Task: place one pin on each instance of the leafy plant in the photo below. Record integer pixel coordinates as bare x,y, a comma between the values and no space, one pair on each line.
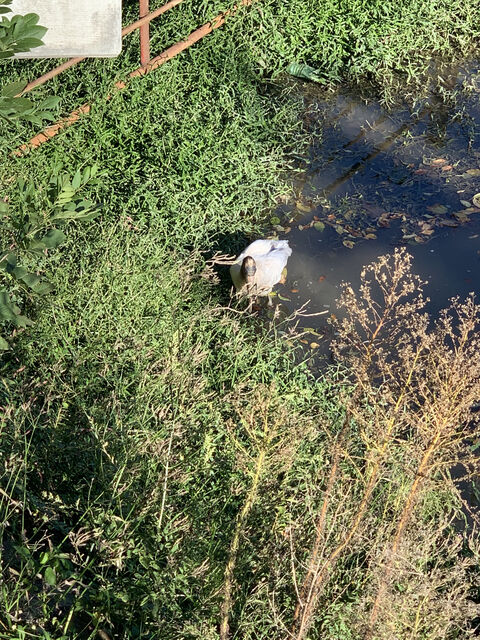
18,35
32,228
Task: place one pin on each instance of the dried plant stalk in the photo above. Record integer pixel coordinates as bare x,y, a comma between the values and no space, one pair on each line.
239,529
372,341
272,434
447,386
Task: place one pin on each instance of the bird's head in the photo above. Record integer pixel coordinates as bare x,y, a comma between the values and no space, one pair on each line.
248,270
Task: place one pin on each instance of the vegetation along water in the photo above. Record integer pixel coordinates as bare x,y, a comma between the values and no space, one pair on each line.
173,468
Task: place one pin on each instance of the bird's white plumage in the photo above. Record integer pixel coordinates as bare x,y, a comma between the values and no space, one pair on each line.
270,257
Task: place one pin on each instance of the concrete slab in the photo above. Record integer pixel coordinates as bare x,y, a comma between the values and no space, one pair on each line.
89,28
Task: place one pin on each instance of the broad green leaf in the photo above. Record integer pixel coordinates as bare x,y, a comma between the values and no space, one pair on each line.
53,238
33,119
50,577
22,321
8,310
65,195
30,279
49,103
84,214
45,115
3,344
88,216
31,18
3,207
17,271
12,89
77,179
18,104
44,287
25,44
12,259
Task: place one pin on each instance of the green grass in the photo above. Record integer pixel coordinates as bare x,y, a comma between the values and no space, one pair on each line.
125,409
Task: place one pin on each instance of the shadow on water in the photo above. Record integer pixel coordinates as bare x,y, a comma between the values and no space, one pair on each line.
378,179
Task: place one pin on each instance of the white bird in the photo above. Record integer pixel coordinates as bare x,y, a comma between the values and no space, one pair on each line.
259,267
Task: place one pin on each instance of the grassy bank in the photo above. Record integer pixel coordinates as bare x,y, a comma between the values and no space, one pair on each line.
169,470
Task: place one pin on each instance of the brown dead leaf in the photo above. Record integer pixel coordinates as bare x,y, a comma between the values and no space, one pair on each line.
462,216
438,209
301,206
447,167
448,223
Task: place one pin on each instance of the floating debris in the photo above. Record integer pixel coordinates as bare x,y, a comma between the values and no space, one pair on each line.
305,72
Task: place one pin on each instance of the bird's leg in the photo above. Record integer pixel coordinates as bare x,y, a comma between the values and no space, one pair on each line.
270,301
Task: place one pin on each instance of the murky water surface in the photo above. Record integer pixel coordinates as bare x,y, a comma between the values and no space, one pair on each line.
380,179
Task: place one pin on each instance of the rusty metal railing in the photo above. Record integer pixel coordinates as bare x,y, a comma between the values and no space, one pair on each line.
144,42
147,64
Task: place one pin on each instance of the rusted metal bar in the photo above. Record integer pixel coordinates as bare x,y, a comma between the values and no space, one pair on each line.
52,131
144,35
51,74
194,37
168,54
125,31
148,18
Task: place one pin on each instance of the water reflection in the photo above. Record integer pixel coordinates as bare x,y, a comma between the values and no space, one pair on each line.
400,177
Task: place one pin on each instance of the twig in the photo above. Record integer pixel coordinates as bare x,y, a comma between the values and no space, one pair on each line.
292,564
165,481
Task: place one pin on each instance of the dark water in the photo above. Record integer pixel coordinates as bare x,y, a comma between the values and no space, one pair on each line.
379,179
